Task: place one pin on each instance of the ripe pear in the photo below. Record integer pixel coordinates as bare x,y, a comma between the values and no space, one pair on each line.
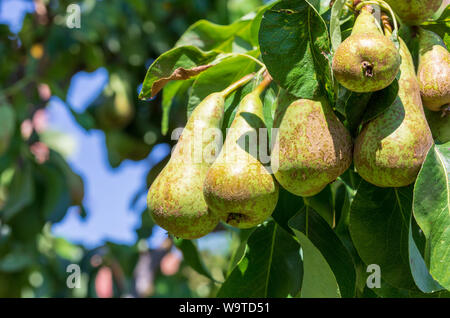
414,12
175,199
238,187
392,147
7,124
433,72
312,147
439,123
366,61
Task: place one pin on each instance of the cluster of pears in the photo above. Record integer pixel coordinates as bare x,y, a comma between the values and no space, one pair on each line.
311,146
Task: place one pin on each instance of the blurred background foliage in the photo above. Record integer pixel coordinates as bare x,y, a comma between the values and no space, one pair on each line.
37,185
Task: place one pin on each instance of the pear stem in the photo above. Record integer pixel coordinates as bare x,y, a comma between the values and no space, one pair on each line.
263,85
247,78
384,6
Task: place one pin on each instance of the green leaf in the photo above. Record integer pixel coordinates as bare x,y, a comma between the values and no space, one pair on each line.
352,105
271,266
56,198
219,77
172,91
441,26
335,24
294,43
192,257
21,191
287,206
380,101
322,203
328,268
432,211
380,227
209,36
178,63
239,252
15,261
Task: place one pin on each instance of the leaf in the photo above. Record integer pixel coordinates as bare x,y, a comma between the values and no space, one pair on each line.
192,257
380,101
178,63
15,261
216,79
335,24
271,266
352,105
239,252
380,227
328,268
209,36
441,26
171,91
322,203
56,198
287,206
294,43
432,211
21,192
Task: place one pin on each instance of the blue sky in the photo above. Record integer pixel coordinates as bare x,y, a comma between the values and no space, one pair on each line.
108,191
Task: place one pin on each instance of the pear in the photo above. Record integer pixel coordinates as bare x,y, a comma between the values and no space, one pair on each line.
366,61
392,147
175,199
237,186
312,147
7,124
414,12
433,71
439,123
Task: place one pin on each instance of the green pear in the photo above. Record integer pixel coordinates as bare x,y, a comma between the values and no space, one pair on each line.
175,198
366,61
312,147
392,147
238,187
439,123
414,12
433,71
7,124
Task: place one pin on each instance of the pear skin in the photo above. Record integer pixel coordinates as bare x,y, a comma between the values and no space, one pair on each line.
414,12
392,147
175,199
433,71
238,187
366,61
312,147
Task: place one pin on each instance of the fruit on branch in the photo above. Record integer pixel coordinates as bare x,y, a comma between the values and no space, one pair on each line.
7,124
175,199
312,147
433,71
367,60
238,187
439,123
414,12
392,147
118,110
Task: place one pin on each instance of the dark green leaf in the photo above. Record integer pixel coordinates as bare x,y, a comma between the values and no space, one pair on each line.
329,270
380,101
179,63
192,257
294,42
21,191
271,266
432,211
